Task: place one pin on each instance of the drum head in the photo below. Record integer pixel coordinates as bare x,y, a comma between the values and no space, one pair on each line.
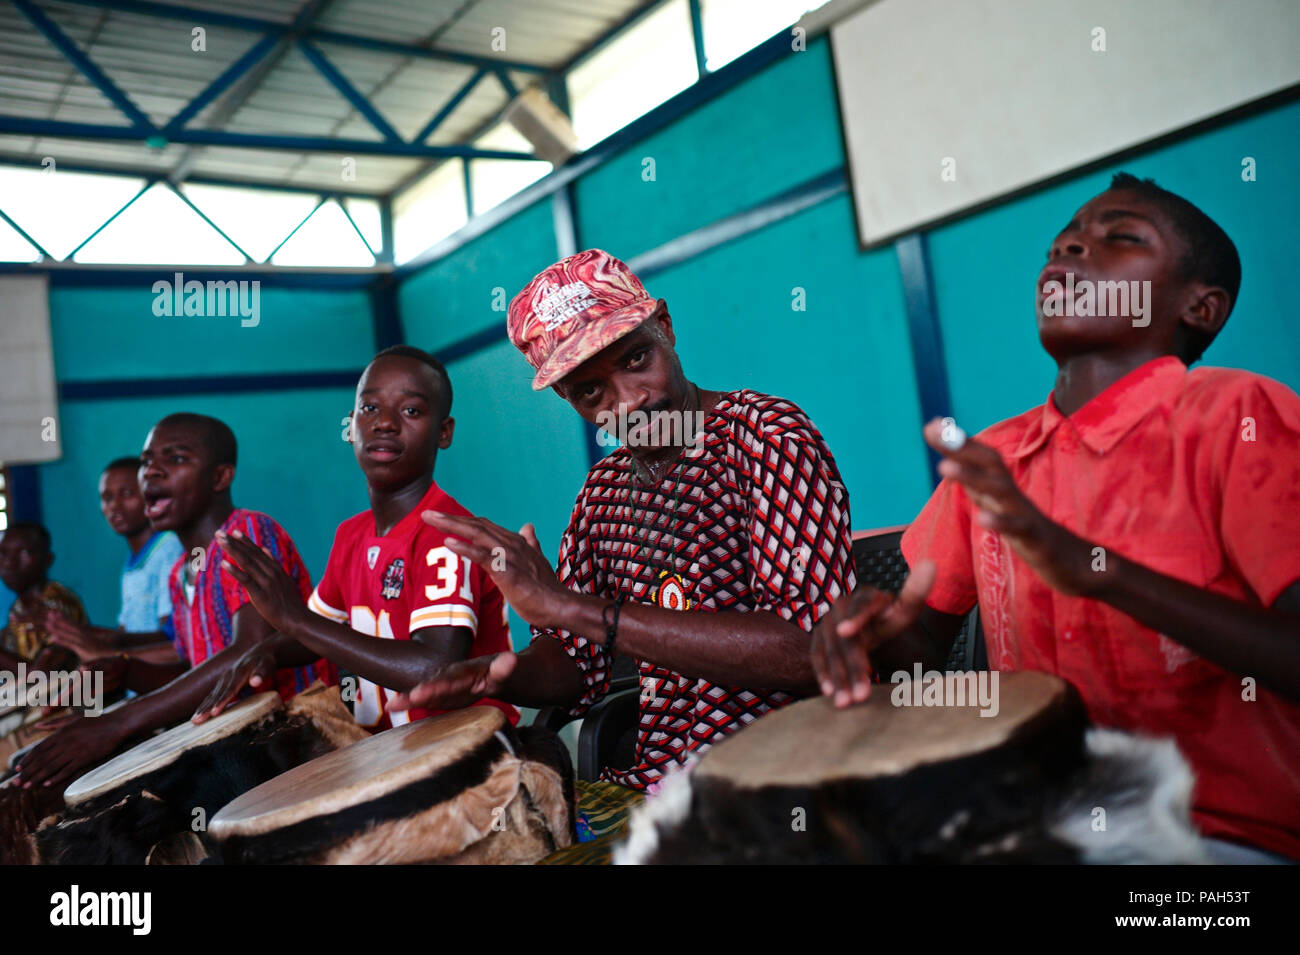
167,747
360,773
812,741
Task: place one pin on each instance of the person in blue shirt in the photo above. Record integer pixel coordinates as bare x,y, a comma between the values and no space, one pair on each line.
144,622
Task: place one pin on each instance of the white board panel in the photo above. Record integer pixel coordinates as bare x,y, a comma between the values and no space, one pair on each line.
29,431
1013,91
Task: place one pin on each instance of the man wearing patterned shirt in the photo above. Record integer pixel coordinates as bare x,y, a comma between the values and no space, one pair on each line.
739,519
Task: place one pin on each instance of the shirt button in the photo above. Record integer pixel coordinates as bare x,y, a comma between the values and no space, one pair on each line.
1069,634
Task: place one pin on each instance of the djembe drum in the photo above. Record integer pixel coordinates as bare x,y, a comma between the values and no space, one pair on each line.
885,783
153,802
461,787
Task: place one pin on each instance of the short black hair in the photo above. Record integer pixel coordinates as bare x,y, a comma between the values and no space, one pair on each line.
1211,256
40,530
123,464
419,354
215,435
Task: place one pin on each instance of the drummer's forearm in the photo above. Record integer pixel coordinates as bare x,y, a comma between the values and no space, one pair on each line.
756,650
395,664
544,675
177,699
144,676
927,642
125,640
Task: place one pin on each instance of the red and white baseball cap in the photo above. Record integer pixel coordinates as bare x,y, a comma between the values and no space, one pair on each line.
574,309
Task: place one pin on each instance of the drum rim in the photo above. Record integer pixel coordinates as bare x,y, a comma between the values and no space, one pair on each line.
239,818
720,762
112,774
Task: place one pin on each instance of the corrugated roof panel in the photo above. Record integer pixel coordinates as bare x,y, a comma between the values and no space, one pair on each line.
401,21
153,61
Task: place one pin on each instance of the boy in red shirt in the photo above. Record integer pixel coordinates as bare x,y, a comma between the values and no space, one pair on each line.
186,470
1136,534
390,575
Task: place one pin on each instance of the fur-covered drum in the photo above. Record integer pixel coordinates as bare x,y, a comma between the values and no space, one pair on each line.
461,787
153,803
1022,780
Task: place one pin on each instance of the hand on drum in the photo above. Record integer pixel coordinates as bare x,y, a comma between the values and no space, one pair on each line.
844,638
255,669
273,592
460,684
67,753
1057,555
515,563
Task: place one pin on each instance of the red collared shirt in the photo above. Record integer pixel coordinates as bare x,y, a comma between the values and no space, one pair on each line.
1195,475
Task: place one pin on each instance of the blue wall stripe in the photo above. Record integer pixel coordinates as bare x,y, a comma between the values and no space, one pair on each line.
205,385
923,327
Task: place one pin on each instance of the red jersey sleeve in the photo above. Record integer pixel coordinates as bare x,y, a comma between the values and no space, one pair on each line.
448,590
327,599
942,533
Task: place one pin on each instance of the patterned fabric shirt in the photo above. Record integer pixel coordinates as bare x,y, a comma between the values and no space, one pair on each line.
25,635
204,612
146,591
753,518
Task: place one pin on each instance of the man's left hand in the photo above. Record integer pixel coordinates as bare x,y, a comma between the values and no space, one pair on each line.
270,588
514,561
1060,557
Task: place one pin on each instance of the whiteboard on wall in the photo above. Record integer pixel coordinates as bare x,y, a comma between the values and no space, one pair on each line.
949,104
29,411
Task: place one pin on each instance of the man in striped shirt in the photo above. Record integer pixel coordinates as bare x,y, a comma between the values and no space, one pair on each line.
706,552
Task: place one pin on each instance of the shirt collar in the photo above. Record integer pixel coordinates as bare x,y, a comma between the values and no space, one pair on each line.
1103,421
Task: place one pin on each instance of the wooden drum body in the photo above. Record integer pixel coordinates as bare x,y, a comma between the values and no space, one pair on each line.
461,787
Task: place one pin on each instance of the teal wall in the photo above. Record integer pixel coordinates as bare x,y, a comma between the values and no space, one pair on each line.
519,455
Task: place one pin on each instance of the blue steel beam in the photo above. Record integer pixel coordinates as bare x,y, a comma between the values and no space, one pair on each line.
204,216
23,232
697,36
28,126
385,255
451,105
63,43
223,82
507,84
295,229
360,234
927,337
349,92
148,184
26,162
176,11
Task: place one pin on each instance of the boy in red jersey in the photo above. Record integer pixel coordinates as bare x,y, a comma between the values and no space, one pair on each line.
186,470
390,575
